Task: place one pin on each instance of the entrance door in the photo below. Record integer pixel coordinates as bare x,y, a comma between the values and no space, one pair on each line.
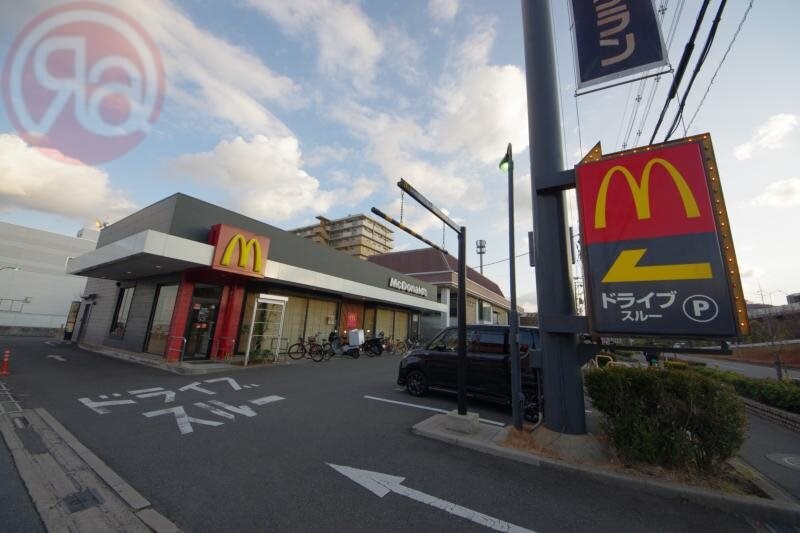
202,321
266,327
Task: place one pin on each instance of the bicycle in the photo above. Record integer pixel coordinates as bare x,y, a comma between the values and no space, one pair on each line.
310,348
400,347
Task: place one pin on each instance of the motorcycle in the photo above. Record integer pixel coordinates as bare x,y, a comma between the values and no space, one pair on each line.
335,346
374,346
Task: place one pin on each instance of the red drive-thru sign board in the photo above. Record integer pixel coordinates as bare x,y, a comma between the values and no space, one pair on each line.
238,251
658,253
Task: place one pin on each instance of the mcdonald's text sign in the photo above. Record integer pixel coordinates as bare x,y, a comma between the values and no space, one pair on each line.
238,251
657,249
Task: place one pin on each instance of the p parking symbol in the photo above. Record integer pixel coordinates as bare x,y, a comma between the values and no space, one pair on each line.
700,308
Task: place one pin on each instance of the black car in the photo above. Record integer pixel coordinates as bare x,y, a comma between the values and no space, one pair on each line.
488,366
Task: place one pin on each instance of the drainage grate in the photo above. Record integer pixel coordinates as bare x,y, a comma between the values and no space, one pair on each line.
785,459
79,501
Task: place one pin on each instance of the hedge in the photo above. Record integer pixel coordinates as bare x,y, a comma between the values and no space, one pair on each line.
672,418
781,394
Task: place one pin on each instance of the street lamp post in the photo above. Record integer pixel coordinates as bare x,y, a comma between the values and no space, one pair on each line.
513,318
481,249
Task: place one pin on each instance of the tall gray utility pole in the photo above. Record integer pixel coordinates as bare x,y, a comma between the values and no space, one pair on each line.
562,381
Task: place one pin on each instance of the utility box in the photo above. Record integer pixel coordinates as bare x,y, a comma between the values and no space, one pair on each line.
355,337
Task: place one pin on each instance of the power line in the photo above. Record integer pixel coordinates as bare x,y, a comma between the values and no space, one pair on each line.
662,9
687,53
502,260
724,57
699,65
673,28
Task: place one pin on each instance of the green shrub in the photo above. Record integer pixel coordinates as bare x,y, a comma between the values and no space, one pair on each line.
780,394
667,417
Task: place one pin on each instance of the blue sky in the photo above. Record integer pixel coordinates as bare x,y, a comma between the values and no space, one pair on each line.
286,109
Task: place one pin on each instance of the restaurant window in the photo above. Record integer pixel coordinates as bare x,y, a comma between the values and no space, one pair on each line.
162,318
121,312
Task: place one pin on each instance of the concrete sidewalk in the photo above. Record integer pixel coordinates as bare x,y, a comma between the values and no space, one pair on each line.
71,488
487,439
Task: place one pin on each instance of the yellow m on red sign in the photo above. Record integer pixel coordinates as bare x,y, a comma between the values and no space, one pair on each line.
641,191
238,241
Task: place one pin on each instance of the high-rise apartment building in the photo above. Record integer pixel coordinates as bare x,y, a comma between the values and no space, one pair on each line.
357,235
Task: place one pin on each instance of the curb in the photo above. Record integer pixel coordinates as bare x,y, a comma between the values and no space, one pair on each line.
748,506
174,368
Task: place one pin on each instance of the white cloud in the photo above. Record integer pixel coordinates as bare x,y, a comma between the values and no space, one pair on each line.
481,107
212,76
769,136
395,144
783,193
477,110
265,178
52,183
348,46
443,9
482,111
327,154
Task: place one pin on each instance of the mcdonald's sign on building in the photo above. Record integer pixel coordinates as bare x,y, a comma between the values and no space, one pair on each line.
657,248
238,251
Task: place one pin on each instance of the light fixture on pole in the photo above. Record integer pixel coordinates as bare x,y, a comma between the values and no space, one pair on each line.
9,268
507,164
481,245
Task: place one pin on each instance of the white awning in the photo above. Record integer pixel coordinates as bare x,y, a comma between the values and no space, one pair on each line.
148,253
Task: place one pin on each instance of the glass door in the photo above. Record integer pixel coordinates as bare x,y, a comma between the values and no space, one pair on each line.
266,328
202,321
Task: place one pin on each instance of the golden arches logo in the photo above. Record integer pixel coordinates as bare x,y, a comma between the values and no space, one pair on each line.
238,240
641,191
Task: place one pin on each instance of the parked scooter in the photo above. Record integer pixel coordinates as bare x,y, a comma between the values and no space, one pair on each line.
335,346
373,346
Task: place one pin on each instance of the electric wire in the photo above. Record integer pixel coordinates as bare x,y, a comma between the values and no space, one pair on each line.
502,260
719,66
654,87
698,66
687,53
662,9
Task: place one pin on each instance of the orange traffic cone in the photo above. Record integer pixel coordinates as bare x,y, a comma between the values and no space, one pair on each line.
4,366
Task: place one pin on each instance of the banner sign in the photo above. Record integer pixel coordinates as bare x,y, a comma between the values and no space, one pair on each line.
615,38
238,251
658,252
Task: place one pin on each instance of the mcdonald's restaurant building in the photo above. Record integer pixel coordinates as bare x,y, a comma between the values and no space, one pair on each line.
186,278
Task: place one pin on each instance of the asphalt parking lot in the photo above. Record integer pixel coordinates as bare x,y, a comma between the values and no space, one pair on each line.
258,449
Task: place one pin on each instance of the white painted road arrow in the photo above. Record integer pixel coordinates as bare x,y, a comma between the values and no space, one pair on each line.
57,358
383,484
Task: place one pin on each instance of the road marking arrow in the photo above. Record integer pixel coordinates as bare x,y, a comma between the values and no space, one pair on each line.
57,358
626,268
383,484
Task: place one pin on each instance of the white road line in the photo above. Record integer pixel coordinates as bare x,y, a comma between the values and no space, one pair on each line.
382,484
267,399
57,358
427,408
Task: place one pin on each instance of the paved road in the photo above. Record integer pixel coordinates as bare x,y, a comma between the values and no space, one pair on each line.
768,439
753,371
269,471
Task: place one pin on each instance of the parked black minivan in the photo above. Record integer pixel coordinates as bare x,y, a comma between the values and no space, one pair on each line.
488,366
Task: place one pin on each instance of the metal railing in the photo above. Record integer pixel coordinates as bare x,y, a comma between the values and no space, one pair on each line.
182,349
